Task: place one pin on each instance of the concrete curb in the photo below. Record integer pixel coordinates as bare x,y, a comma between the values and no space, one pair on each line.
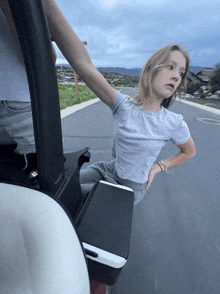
71,109
204,107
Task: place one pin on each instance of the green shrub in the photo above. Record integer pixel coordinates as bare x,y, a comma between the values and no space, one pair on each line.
193,87
215,78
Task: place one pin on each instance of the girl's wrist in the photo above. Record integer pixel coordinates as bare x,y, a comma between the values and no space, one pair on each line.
162,166
157,168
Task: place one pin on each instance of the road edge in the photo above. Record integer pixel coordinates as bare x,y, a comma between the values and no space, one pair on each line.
71,109
204,107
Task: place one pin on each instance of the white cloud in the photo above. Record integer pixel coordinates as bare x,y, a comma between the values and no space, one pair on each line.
126,32
61,61
205,56
109,2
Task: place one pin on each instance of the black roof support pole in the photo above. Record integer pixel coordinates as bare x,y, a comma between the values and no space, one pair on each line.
34,37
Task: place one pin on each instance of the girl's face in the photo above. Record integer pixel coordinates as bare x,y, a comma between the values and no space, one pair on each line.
169,76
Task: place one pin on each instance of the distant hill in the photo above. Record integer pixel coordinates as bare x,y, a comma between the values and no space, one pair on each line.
133,72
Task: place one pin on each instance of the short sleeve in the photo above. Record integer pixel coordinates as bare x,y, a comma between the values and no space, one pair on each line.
118,101
181,134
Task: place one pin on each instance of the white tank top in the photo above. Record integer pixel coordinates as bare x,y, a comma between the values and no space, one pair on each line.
13,78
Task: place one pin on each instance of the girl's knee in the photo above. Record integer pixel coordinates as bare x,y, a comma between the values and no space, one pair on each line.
89,175
139,196
86,188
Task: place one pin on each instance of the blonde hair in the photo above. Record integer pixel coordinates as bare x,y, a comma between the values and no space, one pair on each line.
152,67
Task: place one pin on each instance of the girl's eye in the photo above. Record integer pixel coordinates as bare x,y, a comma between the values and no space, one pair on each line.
181,74
170,67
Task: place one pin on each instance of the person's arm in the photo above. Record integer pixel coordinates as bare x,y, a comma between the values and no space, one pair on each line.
187,151
76,53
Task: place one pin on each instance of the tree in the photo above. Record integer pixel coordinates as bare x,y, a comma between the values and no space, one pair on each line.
215,78
193,87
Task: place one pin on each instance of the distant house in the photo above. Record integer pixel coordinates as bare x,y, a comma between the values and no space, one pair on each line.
114,80
194,83
205,74
193,79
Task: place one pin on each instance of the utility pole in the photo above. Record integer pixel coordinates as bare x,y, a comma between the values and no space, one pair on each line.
75,75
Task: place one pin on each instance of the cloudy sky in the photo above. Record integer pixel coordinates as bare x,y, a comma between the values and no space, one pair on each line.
125,33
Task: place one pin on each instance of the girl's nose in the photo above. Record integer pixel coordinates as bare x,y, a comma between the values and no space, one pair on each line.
176,76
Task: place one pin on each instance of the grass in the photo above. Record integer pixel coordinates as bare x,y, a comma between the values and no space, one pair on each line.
68,96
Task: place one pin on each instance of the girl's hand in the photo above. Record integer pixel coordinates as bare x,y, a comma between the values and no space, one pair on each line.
155,169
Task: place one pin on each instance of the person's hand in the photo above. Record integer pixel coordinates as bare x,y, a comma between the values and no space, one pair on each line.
155,169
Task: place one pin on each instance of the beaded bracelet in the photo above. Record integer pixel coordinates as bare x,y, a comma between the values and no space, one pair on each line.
163,166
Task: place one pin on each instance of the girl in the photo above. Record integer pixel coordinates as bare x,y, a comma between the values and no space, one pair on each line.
143,124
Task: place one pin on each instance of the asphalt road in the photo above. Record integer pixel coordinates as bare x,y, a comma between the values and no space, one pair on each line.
175,243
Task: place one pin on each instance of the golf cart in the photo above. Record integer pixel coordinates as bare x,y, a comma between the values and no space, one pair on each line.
54,240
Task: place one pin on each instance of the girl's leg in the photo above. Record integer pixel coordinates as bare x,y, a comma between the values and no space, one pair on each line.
88,177
94,173
139,195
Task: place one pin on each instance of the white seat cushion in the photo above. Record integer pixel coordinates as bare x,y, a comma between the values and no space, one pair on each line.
39,249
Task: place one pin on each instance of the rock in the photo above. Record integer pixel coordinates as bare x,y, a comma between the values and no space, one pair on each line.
214,96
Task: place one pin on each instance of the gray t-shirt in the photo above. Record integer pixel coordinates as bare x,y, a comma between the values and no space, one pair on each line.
13,78
140,135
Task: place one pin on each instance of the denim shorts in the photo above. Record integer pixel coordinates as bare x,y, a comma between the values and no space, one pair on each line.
16,126
106,171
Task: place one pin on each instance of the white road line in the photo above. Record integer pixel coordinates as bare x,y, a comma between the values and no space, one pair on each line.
209,121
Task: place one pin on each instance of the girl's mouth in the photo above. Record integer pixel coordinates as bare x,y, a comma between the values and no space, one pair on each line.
170,85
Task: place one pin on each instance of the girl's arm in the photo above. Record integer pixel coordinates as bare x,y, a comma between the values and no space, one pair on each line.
76,53
187,151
